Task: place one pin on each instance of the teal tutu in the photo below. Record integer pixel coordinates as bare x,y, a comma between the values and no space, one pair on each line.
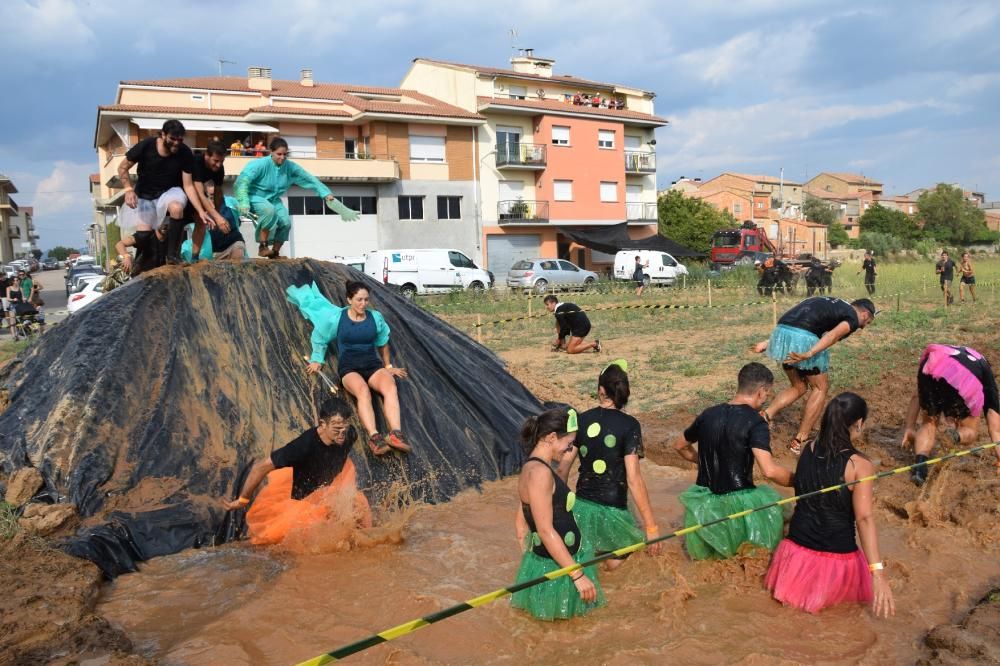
554,599
761,528
605,528
312,303
788,339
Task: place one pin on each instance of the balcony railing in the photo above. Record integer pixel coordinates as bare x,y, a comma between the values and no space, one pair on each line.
640,161
640,211
520,156
521,211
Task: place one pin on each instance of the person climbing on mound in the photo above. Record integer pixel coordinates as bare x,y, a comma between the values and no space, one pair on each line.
955,383
302,478
363,360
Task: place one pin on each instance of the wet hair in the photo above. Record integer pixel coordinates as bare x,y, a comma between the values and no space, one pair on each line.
550,299
537,427
835,428
353,287
752,377
173,127
614,381
334,406
215,148
276,143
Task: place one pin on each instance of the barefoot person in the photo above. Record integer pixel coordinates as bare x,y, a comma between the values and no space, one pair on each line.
303,478
572,323
363,359
546,528
968,278
945,268
801,343
954,384
609,443
731,437
261,185
819,564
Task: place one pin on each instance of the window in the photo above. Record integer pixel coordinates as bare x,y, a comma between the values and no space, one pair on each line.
449,208
605,138
315,205
560,135
567,266
562,190
197,98
426,148
737,209
364,205
760,204
350,148
411,208
549,266
609,191
518,92
459,260
522,266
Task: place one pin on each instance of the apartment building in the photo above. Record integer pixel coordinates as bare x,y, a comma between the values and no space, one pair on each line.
784,194
405,160
554,151
9,230
845,183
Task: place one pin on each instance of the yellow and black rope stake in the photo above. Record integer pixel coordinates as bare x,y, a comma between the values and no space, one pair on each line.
326,380
482,600
638,306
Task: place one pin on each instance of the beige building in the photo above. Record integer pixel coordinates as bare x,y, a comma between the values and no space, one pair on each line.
10,231
845,183
783,193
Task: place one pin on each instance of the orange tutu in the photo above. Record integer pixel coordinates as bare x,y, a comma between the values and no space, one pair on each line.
275,514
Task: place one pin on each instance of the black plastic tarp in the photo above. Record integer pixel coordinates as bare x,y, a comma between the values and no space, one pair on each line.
150,404
613,238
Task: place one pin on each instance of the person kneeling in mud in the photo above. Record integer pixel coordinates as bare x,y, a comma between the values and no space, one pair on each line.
731,437
303,478
955,383
571,322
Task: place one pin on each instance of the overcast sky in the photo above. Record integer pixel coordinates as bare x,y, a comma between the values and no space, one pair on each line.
906,92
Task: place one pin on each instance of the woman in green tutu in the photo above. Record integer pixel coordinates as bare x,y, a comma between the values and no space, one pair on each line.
546,527
610,445
731,437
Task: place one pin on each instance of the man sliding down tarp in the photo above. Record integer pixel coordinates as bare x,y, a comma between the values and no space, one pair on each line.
613,238
145,408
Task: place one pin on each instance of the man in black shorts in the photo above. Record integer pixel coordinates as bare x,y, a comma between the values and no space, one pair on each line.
946,269
571,321
208,174
868,266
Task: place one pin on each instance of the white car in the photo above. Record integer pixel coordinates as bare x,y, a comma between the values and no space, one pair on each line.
90,289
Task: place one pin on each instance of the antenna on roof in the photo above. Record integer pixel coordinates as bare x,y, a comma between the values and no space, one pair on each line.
222,61
512,34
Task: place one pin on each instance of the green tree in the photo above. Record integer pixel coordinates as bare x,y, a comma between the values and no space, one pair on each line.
881,220
691,222
36,253
59,253
817,210
947,215
837,235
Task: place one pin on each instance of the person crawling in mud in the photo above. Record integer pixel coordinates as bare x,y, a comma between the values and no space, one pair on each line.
731,438
303,479
363,359
801,343
572,323
954,384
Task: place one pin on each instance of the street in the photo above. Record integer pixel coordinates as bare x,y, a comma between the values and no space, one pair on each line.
53,286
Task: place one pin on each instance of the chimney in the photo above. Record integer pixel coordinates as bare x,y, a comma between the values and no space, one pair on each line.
526,62
259,78
306,78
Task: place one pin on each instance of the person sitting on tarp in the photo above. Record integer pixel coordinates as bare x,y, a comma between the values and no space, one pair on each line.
305,478
362,338
731,437
573,323
224,242
955,383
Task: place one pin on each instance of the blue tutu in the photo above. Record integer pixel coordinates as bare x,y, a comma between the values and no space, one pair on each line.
788,339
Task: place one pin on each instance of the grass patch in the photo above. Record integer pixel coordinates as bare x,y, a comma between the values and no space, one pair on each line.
8,521
11,348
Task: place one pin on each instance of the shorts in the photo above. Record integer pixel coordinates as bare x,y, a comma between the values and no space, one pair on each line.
234,252
945,283
578,331
151,212
366,372
803,372
968,279
640,283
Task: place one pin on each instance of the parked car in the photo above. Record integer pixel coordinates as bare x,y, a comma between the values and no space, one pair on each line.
89,289
74,274
10,270
50,265
541,275
659,268
426,271
357,262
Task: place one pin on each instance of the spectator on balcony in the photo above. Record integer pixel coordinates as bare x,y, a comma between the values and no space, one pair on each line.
572,323
236,149
260,187
259,148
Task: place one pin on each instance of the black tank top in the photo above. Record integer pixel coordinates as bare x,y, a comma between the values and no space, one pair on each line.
562,517
823,522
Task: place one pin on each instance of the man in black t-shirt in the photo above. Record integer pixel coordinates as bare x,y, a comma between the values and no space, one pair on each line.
731,437
868,266
571,322
163,187
946,269
208,174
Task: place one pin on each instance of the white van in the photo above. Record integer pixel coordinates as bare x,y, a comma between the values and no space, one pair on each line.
430,271
658,267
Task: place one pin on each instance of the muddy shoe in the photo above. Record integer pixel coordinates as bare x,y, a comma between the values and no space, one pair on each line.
919,476
597,346
377,444
264,251
396,440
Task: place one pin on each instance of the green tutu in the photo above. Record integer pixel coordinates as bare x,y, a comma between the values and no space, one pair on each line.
555,599
761,528
605,528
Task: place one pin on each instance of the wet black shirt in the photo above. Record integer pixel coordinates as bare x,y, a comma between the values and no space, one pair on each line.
571,320
313,463
820,314
157,174
869,268
947,269
200,174
726,435
563,521
605,437
823,522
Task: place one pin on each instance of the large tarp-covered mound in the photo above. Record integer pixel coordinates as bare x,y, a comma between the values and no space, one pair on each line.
147,406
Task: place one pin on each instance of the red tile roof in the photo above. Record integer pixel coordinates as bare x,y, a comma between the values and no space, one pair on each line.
853,178
301,111
173,110
757,178
95,179
565,107
563,79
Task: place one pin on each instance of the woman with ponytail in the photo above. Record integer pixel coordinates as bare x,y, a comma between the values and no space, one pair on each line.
819,563
545,524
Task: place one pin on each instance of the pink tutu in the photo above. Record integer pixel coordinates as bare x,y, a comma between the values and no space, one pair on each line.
942,363
811,580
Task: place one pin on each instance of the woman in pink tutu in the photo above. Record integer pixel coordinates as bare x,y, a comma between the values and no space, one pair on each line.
819,563
956,385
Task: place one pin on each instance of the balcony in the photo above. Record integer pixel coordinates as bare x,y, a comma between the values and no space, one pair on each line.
7,202
529,156
14,232
644,212
640,161
519,211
